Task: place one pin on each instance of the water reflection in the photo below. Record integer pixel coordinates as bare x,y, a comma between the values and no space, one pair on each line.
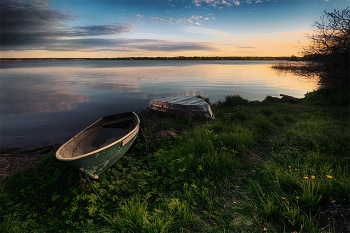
63,99
310,78
25,91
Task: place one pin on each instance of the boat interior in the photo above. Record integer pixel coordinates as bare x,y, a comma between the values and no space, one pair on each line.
105,131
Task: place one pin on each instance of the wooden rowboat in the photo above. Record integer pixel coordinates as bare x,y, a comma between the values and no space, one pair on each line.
181,105
100,145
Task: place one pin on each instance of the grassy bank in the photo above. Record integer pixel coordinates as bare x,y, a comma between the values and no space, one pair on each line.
274,166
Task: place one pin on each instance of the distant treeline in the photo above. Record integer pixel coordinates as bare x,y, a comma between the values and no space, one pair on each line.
154,58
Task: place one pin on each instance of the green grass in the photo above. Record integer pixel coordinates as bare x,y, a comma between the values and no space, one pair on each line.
271,166
307,168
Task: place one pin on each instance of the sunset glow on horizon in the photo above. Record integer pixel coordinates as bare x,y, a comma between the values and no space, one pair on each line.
158,28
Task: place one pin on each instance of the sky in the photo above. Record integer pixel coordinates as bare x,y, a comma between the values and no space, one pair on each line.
158,28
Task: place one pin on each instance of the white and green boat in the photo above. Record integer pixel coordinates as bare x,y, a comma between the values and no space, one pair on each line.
100,145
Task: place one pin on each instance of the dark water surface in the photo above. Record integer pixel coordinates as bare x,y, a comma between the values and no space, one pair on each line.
42,101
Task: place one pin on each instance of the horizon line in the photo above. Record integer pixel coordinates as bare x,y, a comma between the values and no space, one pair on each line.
158,57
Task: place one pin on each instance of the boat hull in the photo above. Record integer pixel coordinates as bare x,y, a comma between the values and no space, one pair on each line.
96,162
182,105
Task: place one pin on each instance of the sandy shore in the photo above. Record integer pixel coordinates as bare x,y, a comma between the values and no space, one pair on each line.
14,160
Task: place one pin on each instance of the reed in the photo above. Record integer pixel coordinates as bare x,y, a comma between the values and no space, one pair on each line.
307,69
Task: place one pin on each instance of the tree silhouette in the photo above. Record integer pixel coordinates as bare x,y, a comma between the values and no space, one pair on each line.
330,48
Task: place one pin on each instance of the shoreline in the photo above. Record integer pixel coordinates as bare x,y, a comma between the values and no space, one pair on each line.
153,58
15,160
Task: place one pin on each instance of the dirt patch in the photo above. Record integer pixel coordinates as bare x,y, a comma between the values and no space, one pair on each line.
166,134
335,217
15,160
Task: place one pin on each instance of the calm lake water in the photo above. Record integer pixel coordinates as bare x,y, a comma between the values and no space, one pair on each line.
42,101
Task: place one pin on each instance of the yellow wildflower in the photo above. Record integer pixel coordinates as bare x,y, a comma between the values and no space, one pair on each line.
265,229
330,177
283,198
313,177
306,177
297,197
295,169
289,166
235,202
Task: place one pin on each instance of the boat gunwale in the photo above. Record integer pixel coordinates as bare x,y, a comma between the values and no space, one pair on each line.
61,158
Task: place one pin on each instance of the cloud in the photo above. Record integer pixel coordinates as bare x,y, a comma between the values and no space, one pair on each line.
196,17
246,47
36,23
31,13
96,30
170,20
166,45
217,3
122,44
193,20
